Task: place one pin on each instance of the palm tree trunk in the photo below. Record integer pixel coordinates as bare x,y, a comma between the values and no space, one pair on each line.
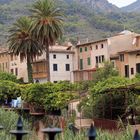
29,69
47,62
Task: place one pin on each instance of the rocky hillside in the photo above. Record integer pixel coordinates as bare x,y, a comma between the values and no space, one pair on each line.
92,19
134,7
99,5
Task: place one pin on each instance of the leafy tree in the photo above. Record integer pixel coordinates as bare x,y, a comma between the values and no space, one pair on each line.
8,76
47,25
105,72
21,42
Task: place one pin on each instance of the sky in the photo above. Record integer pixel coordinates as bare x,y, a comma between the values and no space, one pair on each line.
121,3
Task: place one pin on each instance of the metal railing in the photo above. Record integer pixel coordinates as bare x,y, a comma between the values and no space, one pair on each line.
19,132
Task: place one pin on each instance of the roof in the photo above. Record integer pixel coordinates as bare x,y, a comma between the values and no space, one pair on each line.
101,40
130,50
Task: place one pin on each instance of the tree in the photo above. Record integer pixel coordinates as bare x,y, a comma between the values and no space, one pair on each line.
105,72
21,42
47,25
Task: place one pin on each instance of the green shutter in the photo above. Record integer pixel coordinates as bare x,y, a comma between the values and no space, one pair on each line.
80,49
81,64
88,59
85,49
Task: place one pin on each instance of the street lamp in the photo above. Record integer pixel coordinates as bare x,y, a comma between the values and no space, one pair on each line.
136,135
19,132
92,132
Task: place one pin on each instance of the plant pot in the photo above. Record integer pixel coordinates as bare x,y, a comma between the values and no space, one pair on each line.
56,112
36,109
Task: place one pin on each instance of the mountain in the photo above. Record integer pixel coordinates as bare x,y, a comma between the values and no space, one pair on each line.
92,19
134,7
99,5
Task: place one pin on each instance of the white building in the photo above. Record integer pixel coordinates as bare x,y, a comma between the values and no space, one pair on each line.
61,65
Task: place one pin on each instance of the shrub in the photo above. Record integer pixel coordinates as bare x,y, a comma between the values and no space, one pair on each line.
8,76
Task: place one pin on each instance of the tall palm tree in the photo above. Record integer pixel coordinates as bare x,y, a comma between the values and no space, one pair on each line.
21,42
47,25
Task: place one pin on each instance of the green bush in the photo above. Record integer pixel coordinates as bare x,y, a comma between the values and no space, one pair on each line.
9,89
48,95
8,76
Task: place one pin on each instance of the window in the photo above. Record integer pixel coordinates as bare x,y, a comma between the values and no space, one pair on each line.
81,64
102,46
54,67
97,60
85,49
6,65
122,57
54,56
126,70
132,71
12,71
96,47
88,61
3,66
55,81
67,56
67,67
16,71
80,49
138,67
103,58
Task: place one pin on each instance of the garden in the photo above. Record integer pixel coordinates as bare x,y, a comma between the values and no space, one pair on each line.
104,100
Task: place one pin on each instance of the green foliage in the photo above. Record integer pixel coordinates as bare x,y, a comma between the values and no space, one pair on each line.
9,89
106,94
8,76
105,72
101,135
110,83
48,95
8,119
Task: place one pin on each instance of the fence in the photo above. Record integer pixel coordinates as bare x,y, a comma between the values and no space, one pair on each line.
19,132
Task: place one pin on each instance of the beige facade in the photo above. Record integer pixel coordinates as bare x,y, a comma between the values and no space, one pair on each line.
4,60
12,64
90,56
18,67
121,46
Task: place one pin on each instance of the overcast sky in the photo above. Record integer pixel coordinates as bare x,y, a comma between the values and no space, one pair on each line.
121,3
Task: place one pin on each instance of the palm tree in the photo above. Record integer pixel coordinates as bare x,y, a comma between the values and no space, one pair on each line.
47,25
21,42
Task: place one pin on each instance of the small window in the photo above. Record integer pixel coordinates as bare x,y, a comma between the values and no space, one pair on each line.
54,67
97,60
55,81
103,58
16,71
132,71
81,64
85,49
122,57
54,56
12,71
67,56
6,65
80,49
102,46
67,67
88,61
96,47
